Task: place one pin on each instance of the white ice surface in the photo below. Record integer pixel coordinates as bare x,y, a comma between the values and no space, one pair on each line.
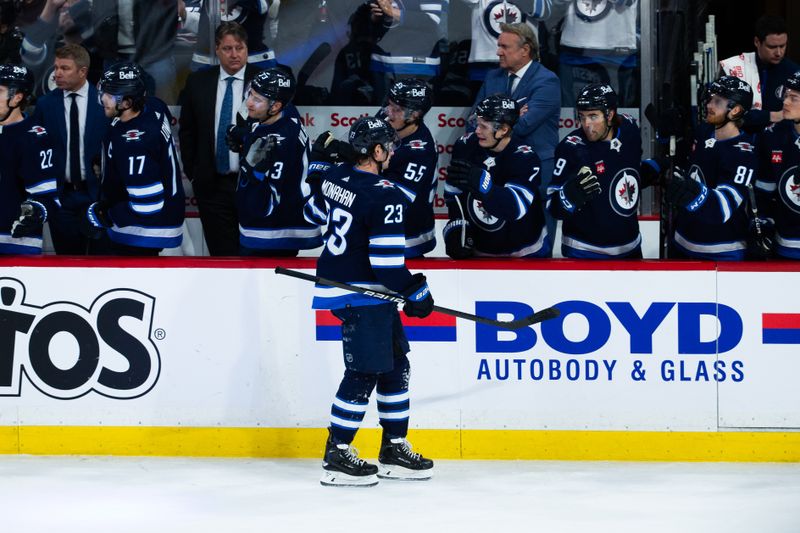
104,494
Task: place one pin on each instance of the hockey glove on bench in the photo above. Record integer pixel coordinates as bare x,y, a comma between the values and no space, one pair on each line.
576,192
685,192
97,219
458,243
32,215
419,302
469,177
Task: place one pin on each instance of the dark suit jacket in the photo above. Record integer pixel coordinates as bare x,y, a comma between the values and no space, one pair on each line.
539,126
196,133
50,114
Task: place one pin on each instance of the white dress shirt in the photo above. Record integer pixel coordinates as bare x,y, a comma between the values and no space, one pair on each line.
521,72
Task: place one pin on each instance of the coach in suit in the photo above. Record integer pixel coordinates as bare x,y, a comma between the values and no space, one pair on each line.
75,118
211,167
536,90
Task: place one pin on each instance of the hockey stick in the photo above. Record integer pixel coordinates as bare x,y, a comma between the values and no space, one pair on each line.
665,213
314,60
544,314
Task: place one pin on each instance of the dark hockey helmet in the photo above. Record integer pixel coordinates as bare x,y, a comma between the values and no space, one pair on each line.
735,90
368,132
498,109
276,84
597,96
792,82
123,79
16,78
412,94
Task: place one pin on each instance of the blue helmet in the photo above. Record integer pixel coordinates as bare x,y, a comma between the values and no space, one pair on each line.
368,132
123,79
16,78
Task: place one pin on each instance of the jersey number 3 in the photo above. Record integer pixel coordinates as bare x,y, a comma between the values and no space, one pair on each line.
338,222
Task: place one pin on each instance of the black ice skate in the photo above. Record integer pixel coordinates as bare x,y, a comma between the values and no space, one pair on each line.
343,468
398,461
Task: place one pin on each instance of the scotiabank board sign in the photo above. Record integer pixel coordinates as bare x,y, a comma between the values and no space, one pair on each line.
646,347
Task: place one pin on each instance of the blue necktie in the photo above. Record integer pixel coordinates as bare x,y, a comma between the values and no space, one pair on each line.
510,86
225,114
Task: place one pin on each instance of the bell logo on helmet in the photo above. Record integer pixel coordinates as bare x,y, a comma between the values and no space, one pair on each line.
418,92
284,82
373,124
507,104
20,70
123,75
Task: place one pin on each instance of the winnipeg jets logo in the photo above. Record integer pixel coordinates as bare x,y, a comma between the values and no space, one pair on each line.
777,156
385,184
789,189
624,192
417,144
489,163
616,144
278,138
710,142
574,140
744,146
132,135
38,131
483,218
500,12
524,149
592,10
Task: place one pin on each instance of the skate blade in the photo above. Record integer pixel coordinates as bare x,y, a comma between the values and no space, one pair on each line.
339,479
400,473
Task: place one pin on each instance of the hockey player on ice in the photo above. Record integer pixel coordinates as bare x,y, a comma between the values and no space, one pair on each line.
364,245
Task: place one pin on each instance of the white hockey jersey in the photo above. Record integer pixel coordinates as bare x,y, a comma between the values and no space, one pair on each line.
600,25
487,15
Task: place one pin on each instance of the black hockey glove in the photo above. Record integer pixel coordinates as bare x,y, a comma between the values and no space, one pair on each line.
469,177
458,242
576,192
260,156
234,137
761,241
327,149
685,192
654,171
97,219
32,215
419,302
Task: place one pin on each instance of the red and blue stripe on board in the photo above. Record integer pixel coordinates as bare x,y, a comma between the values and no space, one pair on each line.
780,328
434,328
